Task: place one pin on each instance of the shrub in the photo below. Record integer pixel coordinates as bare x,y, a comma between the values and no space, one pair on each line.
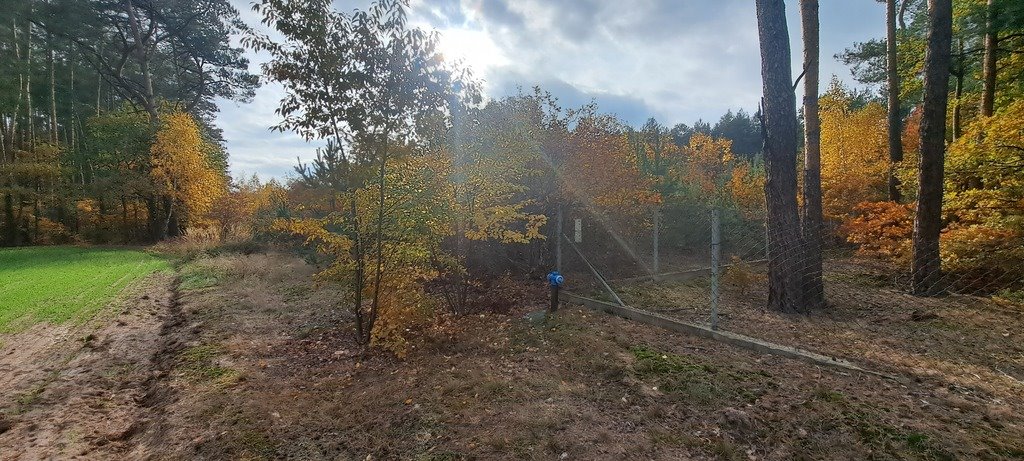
881,229
983,258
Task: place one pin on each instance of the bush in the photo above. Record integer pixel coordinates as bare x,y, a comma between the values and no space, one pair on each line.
881,229
983,259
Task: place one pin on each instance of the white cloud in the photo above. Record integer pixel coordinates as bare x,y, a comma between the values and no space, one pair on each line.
677,61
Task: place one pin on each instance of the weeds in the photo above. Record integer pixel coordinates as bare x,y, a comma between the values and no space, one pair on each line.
198,364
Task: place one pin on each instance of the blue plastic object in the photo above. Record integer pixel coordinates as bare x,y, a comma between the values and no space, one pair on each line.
555,279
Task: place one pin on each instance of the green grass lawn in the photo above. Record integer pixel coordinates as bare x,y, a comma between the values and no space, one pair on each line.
61,284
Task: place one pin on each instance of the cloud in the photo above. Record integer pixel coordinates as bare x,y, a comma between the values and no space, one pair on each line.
674,60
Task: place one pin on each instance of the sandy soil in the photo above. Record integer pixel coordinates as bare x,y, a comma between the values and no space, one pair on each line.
259,364
77,391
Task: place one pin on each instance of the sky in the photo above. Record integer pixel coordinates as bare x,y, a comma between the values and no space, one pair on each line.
675,60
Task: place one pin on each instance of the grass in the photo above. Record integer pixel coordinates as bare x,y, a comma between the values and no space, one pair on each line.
695,382
61,284
198,363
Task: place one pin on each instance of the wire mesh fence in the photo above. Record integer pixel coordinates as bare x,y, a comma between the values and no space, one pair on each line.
712,265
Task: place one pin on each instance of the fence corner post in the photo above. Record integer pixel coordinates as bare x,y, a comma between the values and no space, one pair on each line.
715,265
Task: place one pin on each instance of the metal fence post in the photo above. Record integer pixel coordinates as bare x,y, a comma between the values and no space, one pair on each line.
715,263
657,228
558,240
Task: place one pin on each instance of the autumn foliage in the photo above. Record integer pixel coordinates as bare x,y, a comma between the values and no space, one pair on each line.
181,168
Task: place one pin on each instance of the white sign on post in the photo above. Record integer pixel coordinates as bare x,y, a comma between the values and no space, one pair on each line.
578,237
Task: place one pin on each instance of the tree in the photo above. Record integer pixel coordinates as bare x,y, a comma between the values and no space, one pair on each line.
366,80
853,152
742,130
926,268
892,90
811,223
786,280
989,67
148,51
182,172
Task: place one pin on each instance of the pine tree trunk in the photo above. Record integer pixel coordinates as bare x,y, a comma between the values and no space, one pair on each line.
53,94
958,92
29,125
814,292
785,254
927,267
988,94
893,84
143,55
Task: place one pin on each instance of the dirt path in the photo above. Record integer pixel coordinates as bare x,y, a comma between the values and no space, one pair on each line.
71,392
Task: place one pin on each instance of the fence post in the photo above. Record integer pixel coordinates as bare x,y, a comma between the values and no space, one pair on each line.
558,240
657,228
715,263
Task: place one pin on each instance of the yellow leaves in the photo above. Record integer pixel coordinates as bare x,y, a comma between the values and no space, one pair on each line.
746,184
986,256
181,168
404,306
708,162
985,168
854,153
602,169
315,232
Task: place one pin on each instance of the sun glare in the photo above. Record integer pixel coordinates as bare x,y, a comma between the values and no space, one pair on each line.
474,48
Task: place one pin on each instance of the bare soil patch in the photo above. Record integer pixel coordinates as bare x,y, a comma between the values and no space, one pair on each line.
269,371
69,392
251,361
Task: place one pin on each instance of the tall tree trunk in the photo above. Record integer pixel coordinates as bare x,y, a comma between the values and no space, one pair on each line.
375,303
958,92
814,288
785,254
927,267
143,53
10,226
988,93
29,125
893,84
53,92
359,280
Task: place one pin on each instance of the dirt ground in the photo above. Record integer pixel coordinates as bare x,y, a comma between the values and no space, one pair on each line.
247,360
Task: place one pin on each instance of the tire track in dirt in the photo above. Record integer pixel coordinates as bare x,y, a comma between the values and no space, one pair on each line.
93,391
159,393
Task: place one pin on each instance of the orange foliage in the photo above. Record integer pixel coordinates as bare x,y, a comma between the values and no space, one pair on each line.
746,186
601,169
881,229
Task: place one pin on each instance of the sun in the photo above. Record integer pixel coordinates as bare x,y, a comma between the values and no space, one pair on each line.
473,48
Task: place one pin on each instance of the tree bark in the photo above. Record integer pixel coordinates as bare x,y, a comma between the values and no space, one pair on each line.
785,255
142,52
893,84
927,267
988,93
814,291
958,92
378,277
53,92
29,126
359,279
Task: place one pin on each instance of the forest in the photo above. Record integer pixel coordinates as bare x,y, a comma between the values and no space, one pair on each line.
432,202
109,137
